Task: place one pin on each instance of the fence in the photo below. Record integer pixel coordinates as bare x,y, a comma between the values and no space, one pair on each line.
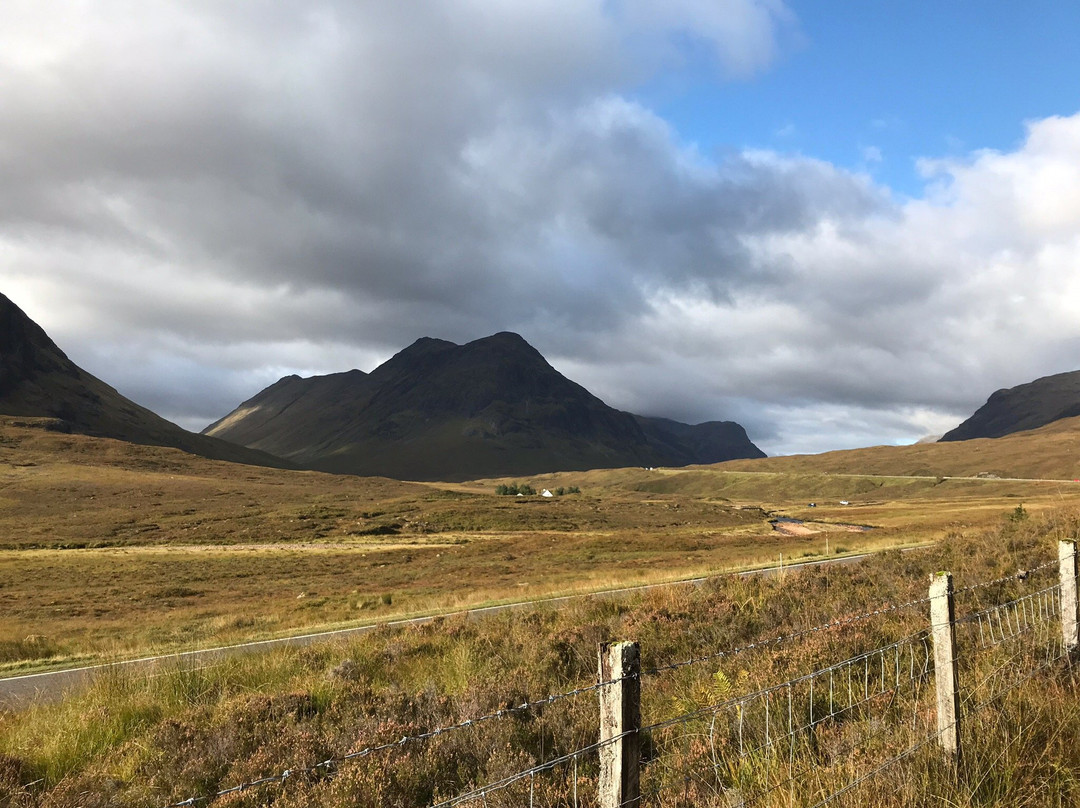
872,691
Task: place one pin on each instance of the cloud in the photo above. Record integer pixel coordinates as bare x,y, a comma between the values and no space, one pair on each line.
198,198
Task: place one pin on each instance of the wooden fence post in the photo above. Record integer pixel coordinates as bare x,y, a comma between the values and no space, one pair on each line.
620,720
1070,615
942,623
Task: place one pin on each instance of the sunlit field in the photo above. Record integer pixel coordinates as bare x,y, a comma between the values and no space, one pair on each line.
113,551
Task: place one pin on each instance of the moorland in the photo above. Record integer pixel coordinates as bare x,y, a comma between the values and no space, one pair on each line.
110,550
187,732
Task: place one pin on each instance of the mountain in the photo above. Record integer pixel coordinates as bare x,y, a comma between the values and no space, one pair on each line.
38,380
1024,407
441,411
1050,452
710,442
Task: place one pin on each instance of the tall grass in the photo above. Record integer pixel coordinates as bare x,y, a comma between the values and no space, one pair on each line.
149,740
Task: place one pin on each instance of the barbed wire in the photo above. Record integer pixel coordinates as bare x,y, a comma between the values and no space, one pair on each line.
861,741
787,739
760,644
482,792
748,799
932,737
929,738
1021,615
329,764
1019,575
736,701
790,737
1041,601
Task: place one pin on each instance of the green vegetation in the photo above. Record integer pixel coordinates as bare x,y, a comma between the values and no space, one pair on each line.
136,741
514,489
526,490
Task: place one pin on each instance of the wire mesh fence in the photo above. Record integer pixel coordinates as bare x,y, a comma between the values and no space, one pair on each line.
807,718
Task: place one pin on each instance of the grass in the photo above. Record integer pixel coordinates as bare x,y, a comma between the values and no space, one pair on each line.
1049,452
149,740
109,550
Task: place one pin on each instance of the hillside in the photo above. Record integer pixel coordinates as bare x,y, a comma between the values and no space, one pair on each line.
1026,406
1049,452
38,380
438,410
709,442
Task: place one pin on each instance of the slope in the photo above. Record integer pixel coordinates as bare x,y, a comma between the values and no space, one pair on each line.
1049,452
437,410
38,380
1026,406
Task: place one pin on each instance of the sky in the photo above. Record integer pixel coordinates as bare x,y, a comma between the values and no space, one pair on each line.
839,224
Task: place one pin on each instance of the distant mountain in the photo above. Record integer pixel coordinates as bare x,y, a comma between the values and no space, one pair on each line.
38,380
710,442
1024,407
441,411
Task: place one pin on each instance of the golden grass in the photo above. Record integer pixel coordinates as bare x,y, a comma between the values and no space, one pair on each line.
136,740
109,550
1049,452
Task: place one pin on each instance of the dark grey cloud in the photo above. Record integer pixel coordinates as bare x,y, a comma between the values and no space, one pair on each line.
199,197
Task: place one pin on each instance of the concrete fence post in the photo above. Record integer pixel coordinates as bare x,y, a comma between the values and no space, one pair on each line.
943,627
1070,616
620,720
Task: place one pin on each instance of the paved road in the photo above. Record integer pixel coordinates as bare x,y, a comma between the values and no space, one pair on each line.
50,686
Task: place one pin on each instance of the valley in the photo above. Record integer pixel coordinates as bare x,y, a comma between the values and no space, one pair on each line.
111,550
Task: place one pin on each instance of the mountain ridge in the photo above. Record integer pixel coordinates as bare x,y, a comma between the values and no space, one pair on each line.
38,380
438,410
1021,408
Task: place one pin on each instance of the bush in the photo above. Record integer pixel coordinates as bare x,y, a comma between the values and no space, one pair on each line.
514,489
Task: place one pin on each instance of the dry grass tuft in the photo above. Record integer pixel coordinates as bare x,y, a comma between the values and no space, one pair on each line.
146,741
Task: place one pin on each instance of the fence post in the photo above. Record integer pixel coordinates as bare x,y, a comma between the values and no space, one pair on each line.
942,623
620,720
1070,615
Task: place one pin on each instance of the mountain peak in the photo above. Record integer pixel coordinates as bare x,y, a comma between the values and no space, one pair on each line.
429,343
438,410
25,348
38,380
507,338
1024,407
506,345
423,347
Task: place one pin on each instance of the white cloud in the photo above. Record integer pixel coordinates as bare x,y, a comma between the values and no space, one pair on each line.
743,35
197,197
